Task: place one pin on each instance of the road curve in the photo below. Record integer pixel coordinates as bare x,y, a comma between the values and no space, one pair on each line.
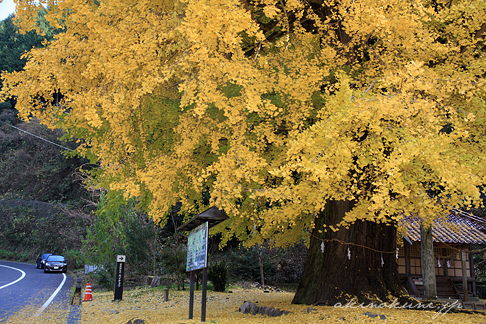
7,277
22,287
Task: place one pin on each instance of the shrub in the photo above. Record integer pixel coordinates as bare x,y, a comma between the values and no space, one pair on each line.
16,256
244,265
173,257
74,258
105,275
4,254
218,274
5,105
24,256
9,255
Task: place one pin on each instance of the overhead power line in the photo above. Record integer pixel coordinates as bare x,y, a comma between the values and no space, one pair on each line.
46,140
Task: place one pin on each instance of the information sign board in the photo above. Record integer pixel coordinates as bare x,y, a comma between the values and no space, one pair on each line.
197,248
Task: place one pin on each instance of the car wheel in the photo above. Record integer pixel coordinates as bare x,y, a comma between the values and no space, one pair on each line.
45,270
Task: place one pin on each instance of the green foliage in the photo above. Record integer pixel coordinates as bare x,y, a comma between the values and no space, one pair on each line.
160,126
280,265
33,169
34,227
121,227
9,255
141,243
24,256
174,254
14,44
5,106
33,172
74,258
218,274
243,265
15,256
105,274
104,239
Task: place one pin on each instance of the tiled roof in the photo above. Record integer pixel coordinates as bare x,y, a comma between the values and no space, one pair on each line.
457,227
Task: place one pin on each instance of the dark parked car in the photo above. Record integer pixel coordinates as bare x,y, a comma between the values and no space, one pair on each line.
55,263
41,259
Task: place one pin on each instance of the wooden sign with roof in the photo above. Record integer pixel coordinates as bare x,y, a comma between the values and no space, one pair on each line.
197,251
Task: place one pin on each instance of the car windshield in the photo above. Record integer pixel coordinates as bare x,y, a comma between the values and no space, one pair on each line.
55,258
44,256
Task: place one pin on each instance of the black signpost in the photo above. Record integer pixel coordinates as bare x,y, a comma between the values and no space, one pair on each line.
197,251
120,270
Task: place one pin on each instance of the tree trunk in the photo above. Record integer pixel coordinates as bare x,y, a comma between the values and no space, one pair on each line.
260,262
332,274
428,262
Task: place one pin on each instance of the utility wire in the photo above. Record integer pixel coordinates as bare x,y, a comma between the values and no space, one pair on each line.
36,136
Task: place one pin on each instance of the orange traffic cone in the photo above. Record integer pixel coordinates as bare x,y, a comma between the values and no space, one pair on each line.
88,295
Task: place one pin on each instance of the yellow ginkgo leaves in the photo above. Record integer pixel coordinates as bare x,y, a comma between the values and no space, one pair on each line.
268,109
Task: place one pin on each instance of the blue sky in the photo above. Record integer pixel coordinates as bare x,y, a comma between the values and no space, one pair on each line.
6,8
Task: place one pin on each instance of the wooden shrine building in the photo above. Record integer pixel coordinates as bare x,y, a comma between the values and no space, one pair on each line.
451,233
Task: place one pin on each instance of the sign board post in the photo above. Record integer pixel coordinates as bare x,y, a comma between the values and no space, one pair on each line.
120,270
197,250
197,258
203,294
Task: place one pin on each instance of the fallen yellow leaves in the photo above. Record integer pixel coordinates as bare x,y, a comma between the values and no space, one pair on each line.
31,314
149,305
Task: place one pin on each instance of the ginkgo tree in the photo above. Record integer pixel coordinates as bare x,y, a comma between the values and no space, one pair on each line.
318,120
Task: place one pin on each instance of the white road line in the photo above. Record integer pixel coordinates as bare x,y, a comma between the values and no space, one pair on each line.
21,277
52,297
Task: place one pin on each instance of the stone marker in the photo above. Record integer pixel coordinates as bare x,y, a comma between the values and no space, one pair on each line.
480,306
155,282
254,309
468,305
383,317
137,321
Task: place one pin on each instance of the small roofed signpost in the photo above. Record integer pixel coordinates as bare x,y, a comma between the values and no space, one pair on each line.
197,251
197,258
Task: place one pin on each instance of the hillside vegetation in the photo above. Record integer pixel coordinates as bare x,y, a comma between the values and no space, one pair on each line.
41,193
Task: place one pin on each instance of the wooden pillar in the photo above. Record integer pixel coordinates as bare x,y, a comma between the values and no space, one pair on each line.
464,276
428,262
166,294
407,258
203,295
473,275
191,296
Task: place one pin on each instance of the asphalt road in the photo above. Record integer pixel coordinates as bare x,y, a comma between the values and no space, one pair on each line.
32,293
